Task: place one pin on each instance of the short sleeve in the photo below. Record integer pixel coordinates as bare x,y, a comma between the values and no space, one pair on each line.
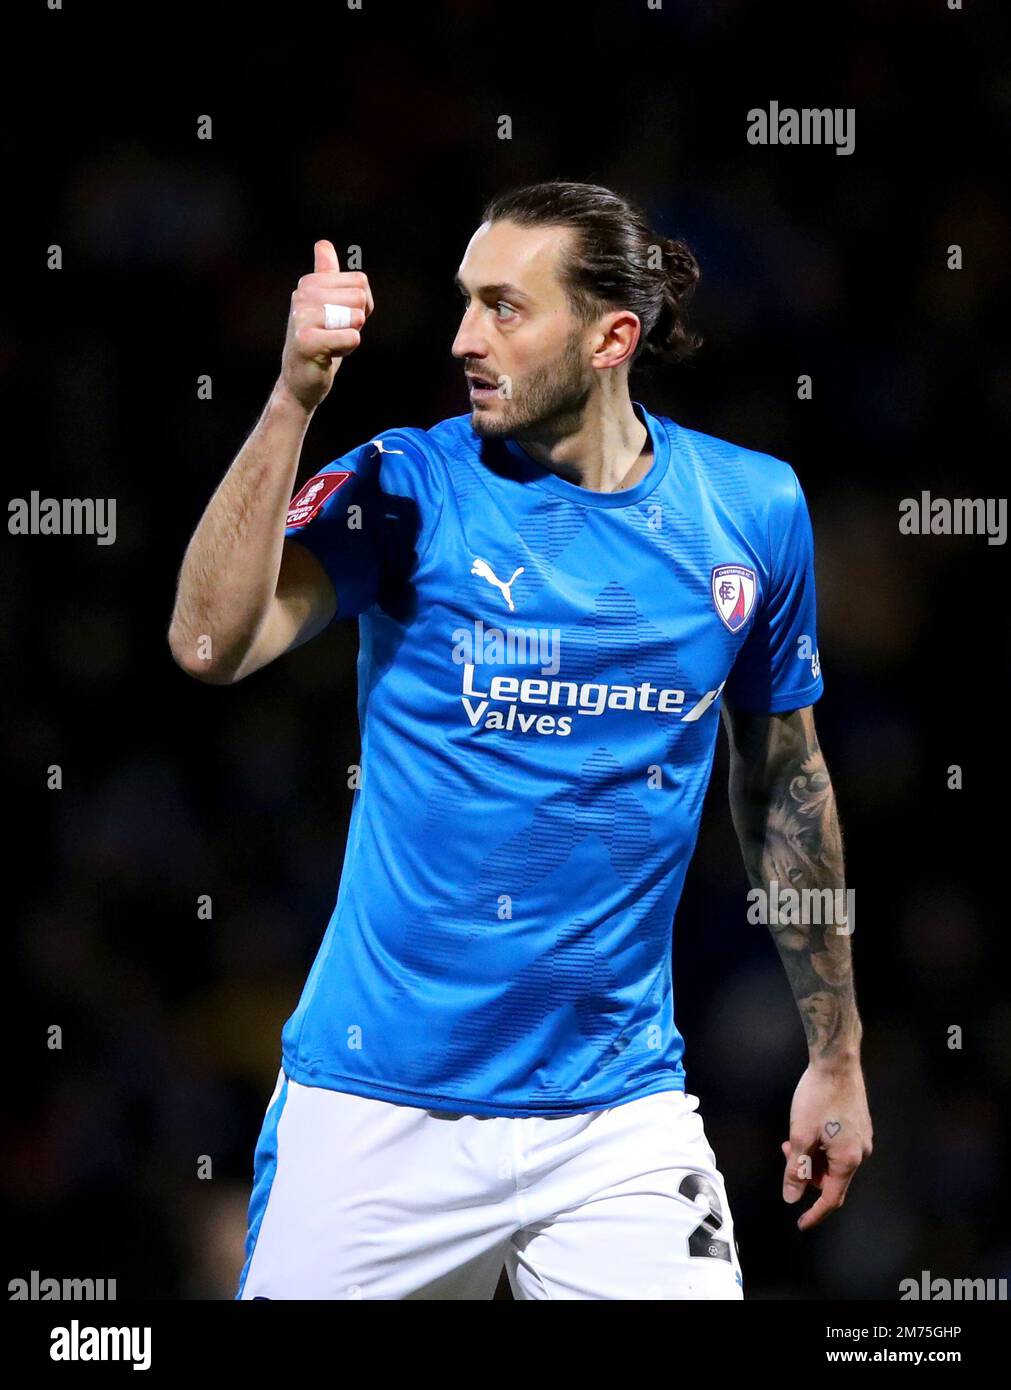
778,667
364,517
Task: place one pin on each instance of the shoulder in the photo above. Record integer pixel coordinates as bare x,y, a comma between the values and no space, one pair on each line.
759,492
447,437
408,452
732,468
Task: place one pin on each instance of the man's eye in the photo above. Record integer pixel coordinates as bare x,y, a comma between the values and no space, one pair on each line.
503,305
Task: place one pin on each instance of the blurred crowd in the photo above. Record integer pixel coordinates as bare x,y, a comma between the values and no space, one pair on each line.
179,259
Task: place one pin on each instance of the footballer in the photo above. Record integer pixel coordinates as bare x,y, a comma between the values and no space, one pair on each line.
560,596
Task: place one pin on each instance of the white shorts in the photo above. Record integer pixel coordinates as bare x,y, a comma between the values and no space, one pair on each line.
356,1198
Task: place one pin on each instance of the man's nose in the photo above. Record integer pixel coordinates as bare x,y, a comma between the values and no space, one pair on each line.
469,341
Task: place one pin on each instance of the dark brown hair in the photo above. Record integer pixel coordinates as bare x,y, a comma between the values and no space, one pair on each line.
615,261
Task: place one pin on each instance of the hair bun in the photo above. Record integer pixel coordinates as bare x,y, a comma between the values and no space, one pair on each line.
681,267
669,339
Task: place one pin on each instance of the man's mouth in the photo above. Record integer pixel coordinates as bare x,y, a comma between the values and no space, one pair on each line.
481,385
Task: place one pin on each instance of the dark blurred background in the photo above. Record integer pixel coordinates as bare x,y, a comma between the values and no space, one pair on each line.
379,128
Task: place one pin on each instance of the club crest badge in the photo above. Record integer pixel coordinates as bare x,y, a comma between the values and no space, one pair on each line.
306,503
734,589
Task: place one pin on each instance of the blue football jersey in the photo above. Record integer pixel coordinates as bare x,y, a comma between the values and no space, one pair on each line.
541,669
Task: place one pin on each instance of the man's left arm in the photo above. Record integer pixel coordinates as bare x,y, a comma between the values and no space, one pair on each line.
785,816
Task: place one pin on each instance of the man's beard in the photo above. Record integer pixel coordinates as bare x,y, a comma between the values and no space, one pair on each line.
548,402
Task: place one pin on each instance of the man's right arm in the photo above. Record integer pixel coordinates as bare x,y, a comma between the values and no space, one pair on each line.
244,597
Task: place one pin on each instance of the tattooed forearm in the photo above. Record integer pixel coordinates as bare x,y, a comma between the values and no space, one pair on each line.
784,811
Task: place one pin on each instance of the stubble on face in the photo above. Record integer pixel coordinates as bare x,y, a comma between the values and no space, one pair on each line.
545,403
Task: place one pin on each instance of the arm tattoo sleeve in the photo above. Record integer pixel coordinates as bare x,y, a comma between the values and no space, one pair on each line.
784,812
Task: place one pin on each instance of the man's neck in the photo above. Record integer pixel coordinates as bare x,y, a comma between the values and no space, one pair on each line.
607,449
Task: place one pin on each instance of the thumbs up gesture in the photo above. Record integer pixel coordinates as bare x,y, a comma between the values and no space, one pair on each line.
313,352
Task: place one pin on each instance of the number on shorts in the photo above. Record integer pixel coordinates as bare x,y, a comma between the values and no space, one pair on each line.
704,1240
